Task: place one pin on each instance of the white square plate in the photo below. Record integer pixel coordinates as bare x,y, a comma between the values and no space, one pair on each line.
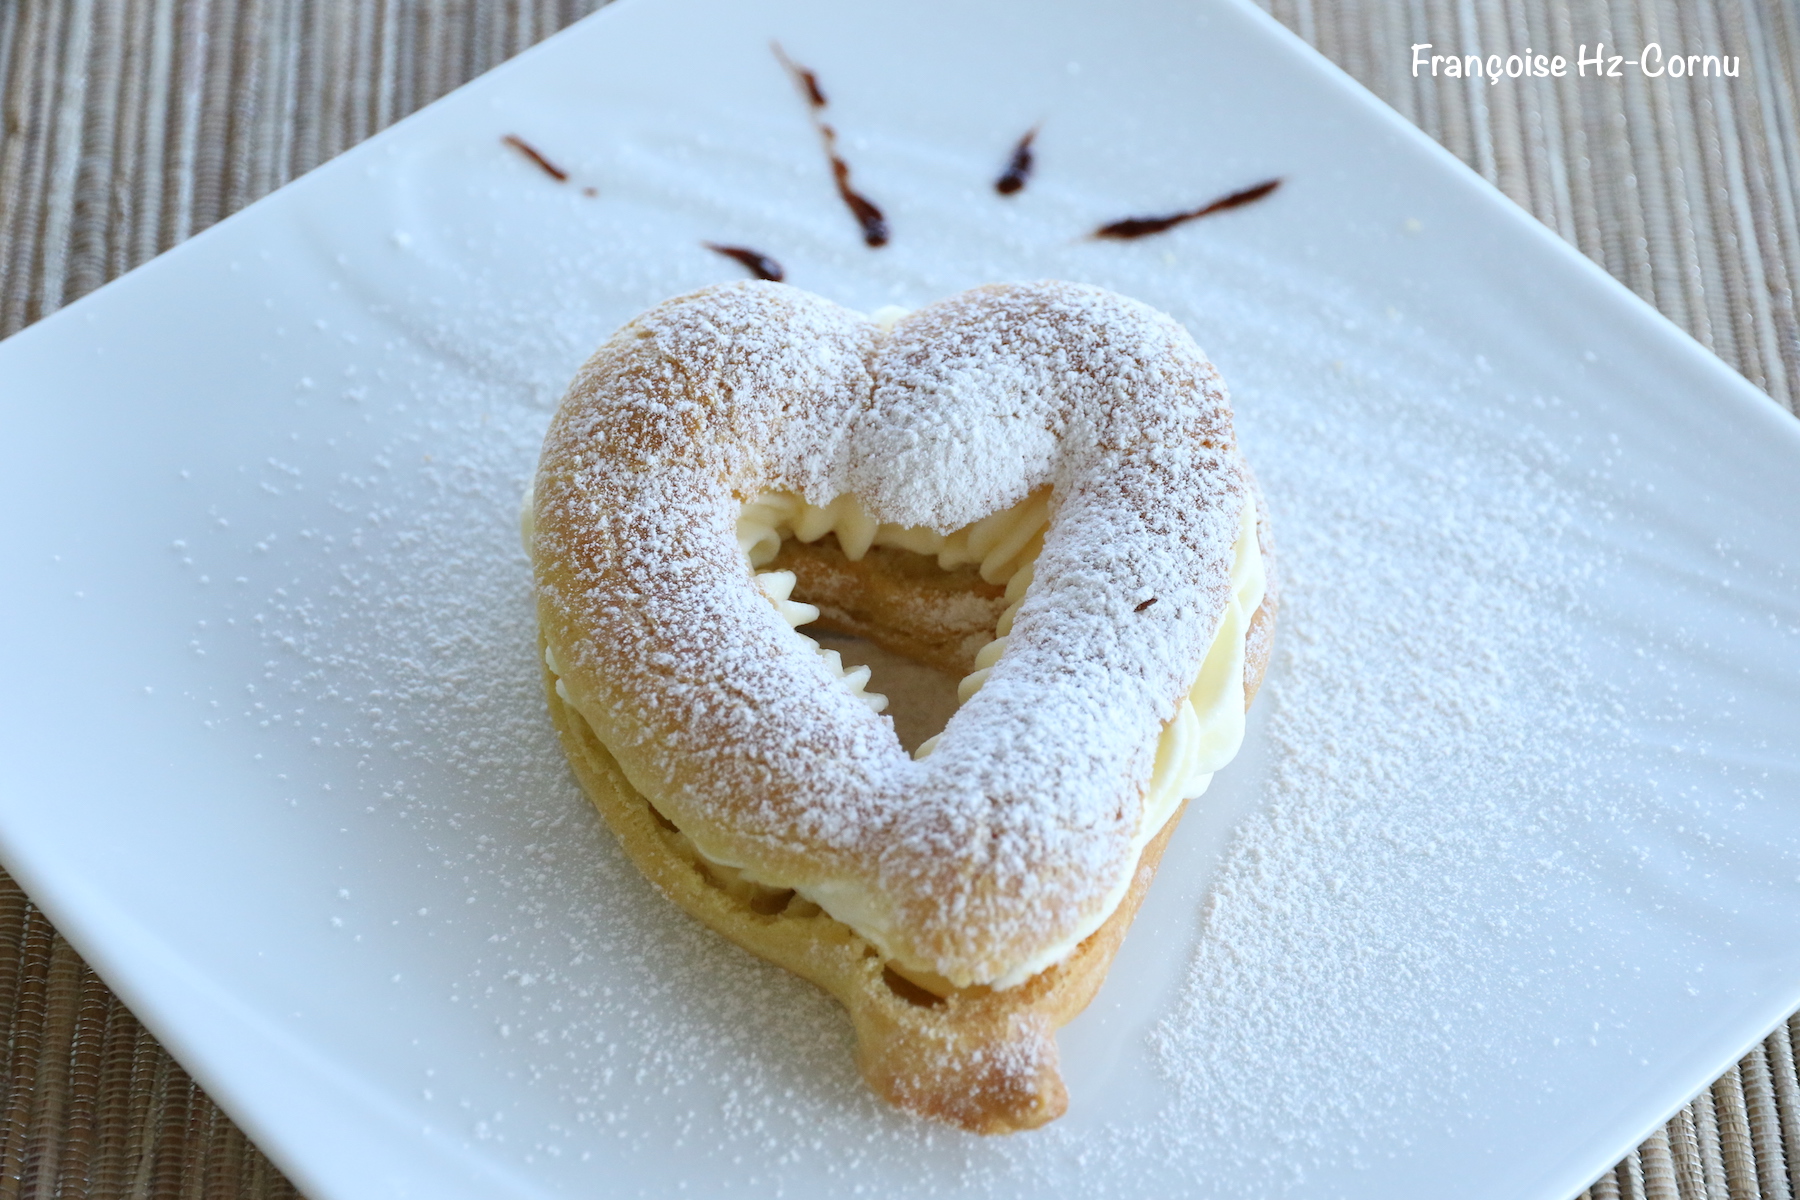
1509,866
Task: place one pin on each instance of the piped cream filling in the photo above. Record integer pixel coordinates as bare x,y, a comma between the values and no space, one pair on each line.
1203,735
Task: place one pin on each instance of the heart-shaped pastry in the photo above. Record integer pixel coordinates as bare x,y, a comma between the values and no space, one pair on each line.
1034,483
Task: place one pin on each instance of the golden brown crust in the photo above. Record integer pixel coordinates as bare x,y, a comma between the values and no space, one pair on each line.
1259,639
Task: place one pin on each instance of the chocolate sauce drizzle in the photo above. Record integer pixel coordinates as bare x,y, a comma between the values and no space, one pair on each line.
1018,168
868,216
529,151
760,264
1137,227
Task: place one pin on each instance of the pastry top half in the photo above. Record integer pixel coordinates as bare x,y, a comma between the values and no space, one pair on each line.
989,859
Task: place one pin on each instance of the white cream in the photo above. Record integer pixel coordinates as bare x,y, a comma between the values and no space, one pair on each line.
1000,544
778,586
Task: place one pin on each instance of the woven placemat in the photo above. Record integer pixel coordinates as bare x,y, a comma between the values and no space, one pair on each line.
132,124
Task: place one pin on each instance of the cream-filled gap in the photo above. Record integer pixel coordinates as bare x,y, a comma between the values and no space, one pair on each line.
921,698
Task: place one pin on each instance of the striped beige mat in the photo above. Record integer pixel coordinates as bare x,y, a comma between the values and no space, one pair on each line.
131,124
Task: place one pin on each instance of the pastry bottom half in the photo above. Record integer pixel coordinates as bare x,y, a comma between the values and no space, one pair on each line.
981,1059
